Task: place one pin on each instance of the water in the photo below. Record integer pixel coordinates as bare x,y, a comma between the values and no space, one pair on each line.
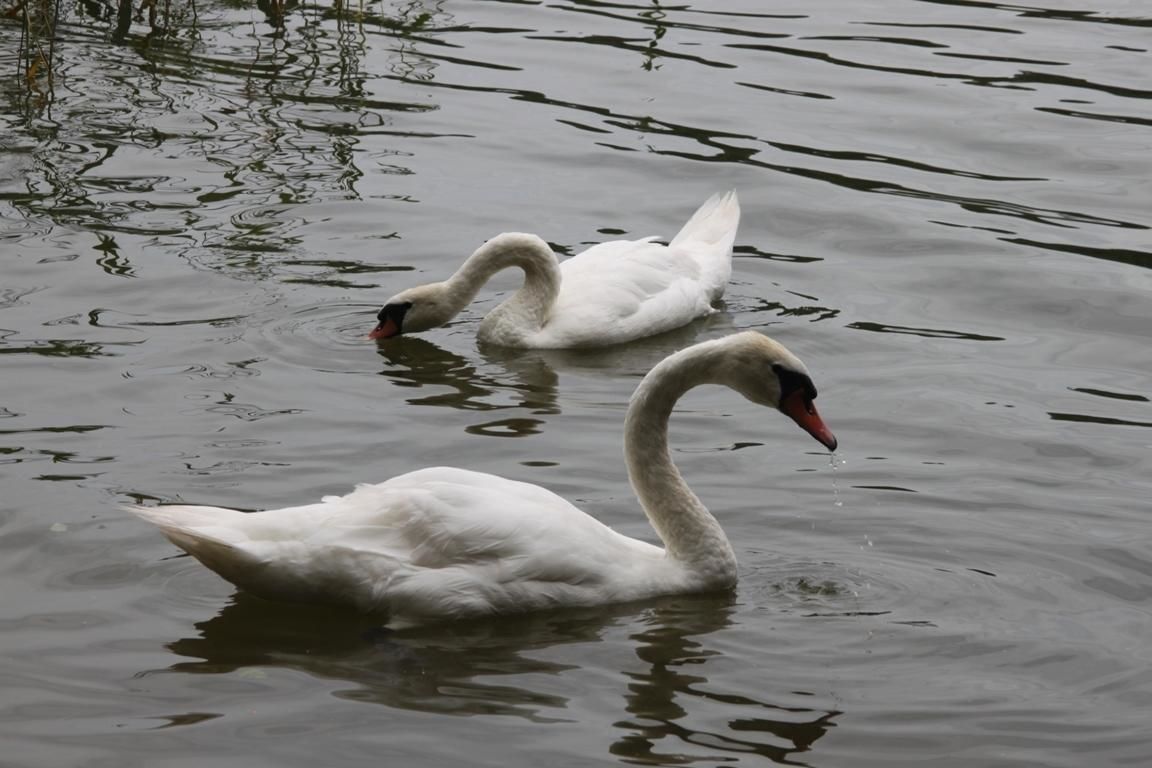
946,214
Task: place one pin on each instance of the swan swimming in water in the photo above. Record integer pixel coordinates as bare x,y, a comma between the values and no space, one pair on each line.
609,294
442,543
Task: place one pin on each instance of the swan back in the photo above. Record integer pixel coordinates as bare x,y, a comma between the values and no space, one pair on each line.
623,290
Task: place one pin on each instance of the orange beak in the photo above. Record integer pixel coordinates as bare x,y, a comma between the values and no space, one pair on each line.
803,412
385,330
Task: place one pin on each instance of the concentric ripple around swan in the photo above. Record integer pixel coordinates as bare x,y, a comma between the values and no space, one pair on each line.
329,337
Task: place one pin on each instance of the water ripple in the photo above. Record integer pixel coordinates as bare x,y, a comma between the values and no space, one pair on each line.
332,336
195,232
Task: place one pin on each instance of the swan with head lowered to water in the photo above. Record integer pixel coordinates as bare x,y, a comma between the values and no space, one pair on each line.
609,294
444,543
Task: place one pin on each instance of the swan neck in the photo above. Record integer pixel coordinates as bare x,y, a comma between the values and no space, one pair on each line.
689,531
530,305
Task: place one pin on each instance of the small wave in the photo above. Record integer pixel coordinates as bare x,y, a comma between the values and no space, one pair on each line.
332,336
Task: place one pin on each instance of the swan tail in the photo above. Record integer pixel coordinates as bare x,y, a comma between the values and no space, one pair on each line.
212,535
713,224
708,237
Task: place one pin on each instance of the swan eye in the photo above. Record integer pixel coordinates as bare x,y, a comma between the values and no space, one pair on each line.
791,381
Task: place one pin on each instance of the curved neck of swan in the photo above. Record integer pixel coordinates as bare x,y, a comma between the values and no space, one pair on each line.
689,531
528,307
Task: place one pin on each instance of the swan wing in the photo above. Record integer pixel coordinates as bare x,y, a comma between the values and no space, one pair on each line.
626,289
453,516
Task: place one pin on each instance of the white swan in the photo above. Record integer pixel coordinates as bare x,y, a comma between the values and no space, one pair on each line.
445,543
611,293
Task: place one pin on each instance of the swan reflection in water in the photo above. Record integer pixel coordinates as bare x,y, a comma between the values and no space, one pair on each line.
446,379
489,667
675,685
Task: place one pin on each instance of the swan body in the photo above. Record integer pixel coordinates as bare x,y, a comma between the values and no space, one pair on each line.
445,543
611,293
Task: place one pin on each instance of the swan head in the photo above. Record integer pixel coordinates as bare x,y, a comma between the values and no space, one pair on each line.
765,372
414,309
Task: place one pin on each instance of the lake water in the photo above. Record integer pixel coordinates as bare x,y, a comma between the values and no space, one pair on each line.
947,215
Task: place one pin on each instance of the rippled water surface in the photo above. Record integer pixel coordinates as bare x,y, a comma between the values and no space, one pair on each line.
947,211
